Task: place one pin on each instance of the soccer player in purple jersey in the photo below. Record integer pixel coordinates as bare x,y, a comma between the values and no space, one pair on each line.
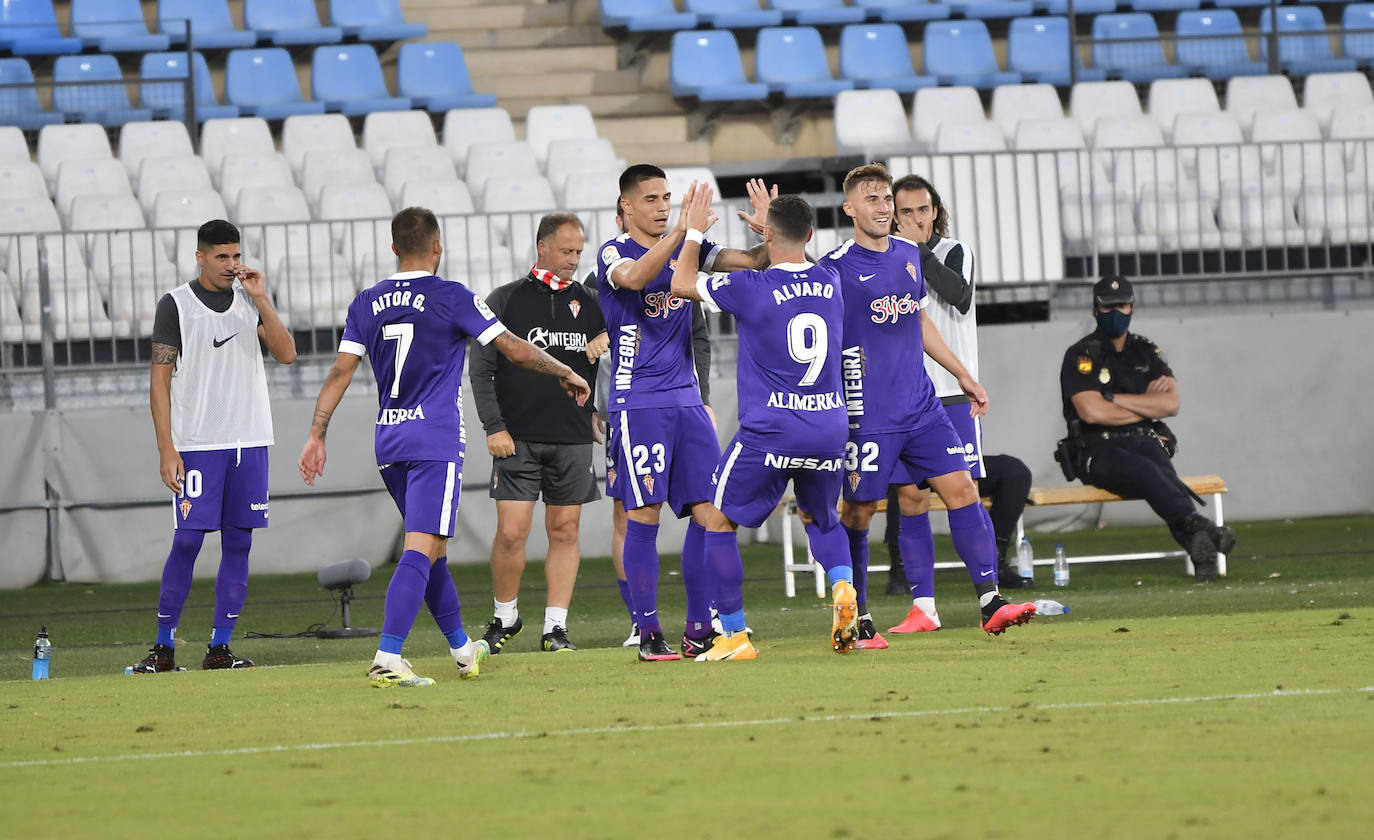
661,443
899,432
792,420
415,327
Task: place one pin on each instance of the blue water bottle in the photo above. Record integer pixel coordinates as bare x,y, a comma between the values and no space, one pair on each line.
42,654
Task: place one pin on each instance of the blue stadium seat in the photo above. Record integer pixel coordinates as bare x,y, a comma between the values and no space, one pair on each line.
1358,41
645,16
1140,56
875,55
164,98
988,9
211,26
349,79
263,83
29,27
435,77
733,14
107,104
1162,5
903,11
1302,54
1038,49
373,20
1080,7
1239,4
818,12
1220,55
791,61
114,26
705,65
19,105
288,22
959,52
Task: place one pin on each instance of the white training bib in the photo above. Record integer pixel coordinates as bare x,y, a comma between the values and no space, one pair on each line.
959,330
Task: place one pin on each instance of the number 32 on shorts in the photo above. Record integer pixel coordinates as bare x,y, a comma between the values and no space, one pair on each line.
869,463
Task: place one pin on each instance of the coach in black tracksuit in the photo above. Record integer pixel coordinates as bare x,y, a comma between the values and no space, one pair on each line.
540,441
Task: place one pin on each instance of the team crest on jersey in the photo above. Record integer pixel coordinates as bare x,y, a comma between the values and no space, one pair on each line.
610,476
575,307
1085,364
185,508
649,482
854,482
911,269
1104,376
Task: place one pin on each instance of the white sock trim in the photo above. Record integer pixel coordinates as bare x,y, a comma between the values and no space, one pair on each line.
555,617
506,611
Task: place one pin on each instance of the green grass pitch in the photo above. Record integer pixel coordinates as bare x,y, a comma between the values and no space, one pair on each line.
1157,708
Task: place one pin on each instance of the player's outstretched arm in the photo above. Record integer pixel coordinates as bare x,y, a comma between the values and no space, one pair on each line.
937,349
280,343
336,382
696,210
526,355
160,403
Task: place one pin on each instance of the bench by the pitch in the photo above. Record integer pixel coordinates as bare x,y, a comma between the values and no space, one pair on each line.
1203,485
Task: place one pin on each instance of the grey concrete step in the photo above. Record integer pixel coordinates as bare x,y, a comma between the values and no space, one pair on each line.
525,36
526,61
577,83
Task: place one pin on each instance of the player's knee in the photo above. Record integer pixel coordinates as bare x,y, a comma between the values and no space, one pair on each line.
913,501
857,516
563,532
186,540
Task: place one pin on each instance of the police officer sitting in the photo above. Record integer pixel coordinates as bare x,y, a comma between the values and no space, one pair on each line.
1117,388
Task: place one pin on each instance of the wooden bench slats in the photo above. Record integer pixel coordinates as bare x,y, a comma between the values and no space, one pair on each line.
1203,485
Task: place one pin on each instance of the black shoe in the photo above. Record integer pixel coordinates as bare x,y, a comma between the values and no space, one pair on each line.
653,647
1009,578
220,656
1203,552
897,585
555,640
160,659
692,648
497,634
1223,538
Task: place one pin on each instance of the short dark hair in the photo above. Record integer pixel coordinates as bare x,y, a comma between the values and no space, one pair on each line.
863,174
216,232
916,182
791,217
413,231
637,174
550,224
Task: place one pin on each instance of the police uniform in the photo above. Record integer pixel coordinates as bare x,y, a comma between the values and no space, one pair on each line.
1133,460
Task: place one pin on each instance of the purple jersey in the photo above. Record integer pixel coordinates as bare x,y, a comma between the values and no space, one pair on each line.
791,321
886,388
415,328
650,331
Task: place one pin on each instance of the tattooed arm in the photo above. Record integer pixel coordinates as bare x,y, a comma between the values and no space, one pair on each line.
529,357
311,462
160,402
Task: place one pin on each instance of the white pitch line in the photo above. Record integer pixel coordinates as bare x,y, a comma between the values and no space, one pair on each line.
661,727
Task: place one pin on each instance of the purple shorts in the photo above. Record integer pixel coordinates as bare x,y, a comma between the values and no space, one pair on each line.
970,431
426,492
750,483
655,455
223,487
872,462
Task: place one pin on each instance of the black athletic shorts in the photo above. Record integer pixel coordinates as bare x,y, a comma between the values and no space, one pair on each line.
561,472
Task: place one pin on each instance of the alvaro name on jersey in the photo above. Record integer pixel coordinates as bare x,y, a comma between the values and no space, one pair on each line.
414,327
886,388
652,365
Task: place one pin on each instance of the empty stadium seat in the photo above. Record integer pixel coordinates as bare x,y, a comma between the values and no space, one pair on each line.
1181,222
1013,103
903,11
253,169
263,83
590,192
1105,224
211,26
1220,55
1324,94
21,179
1129,149
243,135
818,12
1090,100
1048,134
1170,97
445,198
288,22
871,123
545,124
334,166
178,214
1038,49
1291,147
589,154
13,147
58,143
379,21
1300,54
707,66
1357,42
791,61
875,55
358,201
29,27
733,14
512,159
434,76
159,175
96,101
113,26
263,210
387,130
28,215
1262,218
517,204
65,254
935,105
169,99
1248,95
645,16
304,133
1342,214
1201,129
407,164
19,106
465,126
992,8
159,138
1081,7
981,136
1162,5
960,53
349,79
1127,45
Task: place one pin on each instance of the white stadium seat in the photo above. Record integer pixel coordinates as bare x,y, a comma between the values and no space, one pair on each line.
1248,95
1291,148
415,163
1013,103
1341,213
239,136
21,179
89,177
1263,218
465,126
303,133
444,198
332,167
514,206
66,256
567,157
547,123
58,143
1326,94
13,147
159,138
1181,221
1090,101
254,169
133,293
261,207
512,159
871,123
933,106
591,192
176,210
977,136
383,130
1170,97
162,174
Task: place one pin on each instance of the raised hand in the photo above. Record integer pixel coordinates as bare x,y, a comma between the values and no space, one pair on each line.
759,198
696,208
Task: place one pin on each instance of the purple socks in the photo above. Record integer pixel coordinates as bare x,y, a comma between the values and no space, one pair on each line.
403,599
629,602
231,583
831,549
441,596
641,571
918,554
858,552
176,582
723,560
698,580
975,544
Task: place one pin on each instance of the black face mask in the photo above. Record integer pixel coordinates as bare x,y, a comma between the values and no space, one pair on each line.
1113,322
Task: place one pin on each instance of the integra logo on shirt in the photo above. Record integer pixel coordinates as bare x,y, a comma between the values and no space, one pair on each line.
892,307
626,347
659,304
396,416
852,372
549,339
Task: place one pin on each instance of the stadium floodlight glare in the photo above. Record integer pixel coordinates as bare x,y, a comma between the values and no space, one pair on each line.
341,577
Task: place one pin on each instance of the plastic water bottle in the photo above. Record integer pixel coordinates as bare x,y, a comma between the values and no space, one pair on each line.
1025,560
1045,606
1061,566
42,654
